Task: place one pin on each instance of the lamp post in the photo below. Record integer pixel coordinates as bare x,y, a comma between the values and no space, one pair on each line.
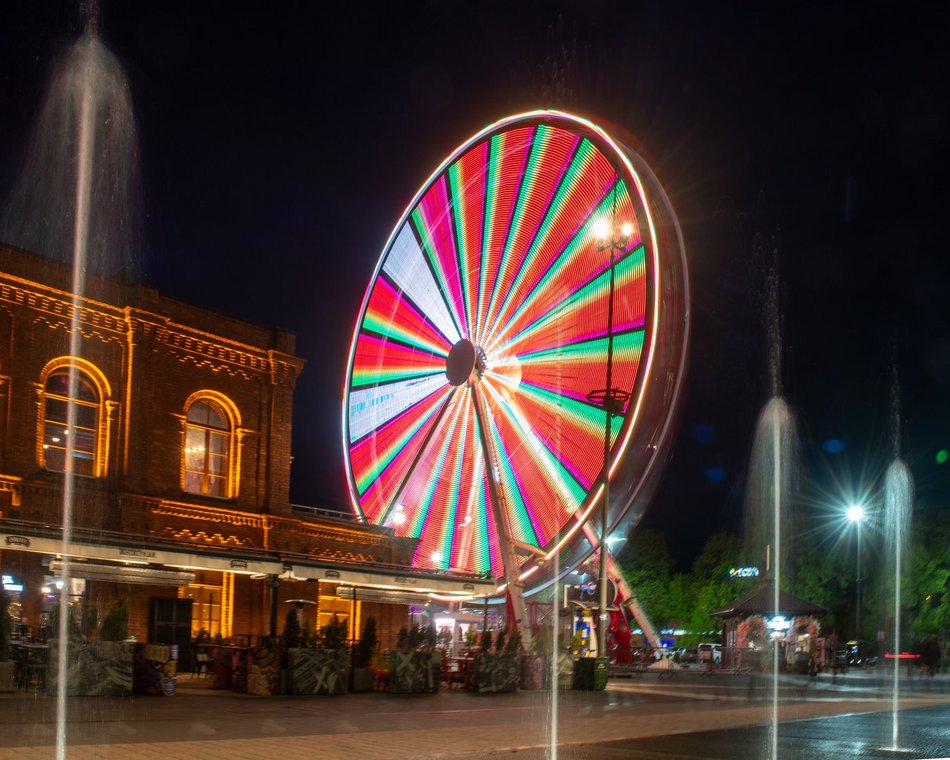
855,516
612,237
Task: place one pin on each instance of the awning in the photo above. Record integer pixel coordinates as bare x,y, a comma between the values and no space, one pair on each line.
285,567
99,571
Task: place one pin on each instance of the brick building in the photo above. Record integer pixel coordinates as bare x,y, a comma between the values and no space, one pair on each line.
175,424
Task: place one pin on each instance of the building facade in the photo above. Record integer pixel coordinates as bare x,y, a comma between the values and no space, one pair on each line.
153,437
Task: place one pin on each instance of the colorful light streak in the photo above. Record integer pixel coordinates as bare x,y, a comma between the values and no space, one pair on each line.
498,247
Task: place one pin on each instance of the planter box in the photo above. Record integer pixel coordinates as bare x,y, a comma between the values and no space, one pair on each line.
363,679
495,673
7,675
534,673
413,673
95,668
565,670
317,671
263,671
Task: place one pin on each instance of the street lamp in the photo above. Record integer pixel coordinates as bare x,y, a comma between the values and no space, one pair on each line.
855,516
612,237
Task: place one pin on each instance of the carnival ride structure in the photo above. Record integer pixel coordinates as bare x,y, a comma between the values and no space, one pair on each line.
539,258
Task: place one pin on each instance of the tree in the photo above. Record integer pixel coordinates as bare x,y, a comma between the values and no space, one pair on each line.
647,566
366,646
713,586
291,629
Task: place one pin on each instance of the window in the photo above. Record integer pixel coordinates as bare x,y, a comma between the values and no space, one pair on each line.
207,452
205,609
65,385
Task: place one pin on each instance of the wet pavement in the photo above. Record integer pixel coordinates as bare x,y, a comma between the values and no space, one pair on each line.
686,716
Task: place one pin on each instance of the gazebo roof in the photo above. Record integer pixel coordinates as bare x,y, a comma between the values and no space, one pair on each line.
762,602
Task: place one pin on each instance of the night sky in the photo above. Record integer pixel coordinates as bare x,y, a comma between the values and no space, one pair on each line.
280,143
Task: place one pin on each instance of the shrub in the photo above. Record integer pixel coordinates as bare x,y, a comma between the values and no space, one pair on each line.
334,634
367,644
115,627
513,645
500,640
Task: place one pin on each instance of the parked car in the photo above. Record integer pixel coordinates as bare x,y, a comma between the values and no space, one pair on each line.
710,653
687,655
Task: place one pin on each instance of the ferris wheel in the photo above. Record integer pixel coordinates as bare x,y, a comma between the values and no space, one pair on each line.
475,417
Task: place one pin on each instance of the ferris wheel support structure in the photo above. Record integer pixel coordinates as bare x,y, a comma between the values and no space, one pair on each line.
506,543
627,596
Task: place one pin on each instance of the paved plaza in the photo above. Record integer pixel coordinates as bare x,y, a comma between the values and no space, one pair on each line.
689,716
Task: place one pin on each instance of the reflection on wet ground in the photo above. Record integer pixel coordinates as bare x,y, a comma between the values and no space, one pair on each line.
688,716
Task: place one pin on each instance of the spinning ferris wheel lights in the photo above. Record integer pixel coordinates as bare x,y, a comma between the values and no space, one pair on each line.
467,419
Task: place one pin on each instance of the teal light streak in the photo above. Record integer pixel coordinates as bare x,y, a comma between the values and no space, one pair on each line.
553,401
567,257
460,213
397,445
518,510
539,148
572,175
419,220
583,296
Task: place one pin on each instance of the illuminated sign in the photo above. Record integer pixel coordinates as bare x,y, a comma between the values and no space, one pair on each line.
137,553
10,585
743,572
778,623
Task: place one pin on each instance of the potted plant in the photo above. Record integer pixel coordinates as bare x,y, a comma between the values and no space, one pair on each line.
96,667
7,666
115,626
533,670
412,670
323,669
363,656
497,670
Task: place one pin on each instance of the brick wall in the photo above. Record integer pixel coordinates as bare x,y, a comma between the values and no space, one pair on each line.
153,353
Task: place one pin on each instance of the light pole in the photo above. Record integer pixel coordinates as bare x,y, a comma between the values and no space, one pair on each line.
612,237
855,515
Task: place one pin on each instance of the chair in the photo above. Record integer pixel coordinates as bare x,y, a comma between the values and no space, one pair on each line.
201,663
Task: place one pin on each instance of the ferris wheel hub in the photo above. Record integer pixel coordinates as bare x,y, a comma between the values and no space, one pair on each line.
460,362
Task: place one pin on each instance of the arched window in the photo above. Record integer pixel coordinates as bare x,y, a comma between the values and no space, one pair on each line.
77,444
207,451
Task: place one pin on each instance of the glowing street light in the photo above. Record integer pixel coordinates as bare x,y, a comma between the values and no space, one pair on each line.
614,238
855,514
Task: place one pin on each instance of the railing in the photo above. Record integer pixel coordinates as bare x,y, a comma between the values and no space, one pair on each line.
329,514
